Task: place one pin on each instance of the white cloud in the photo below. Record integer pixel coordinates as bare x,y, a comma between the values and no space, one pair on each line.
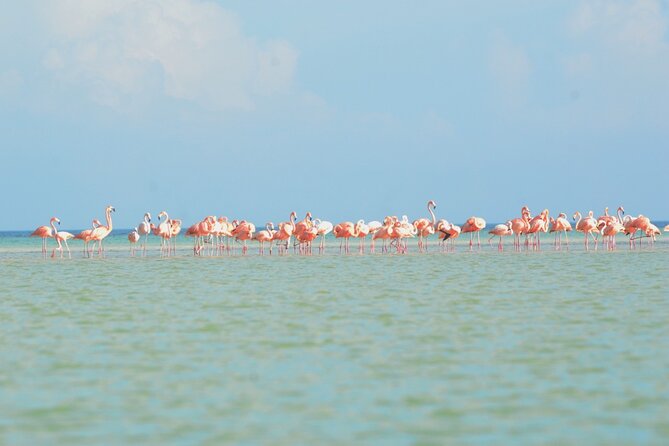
185,49
631,26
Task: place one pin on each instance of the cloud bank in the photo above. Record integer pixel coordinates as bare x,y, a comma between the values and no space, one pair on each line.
182,49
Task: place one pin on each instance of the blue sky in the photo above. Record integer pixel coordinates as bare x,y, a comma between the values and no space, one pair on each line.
349,110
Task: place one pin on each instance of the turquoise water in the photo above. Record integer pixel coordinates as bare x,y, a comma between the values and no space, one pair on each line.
456,348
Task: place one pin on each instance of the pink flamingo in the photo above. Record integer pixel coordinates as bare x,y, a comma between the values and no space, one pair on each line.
402,231
425,227
144,229
284,233
362,231
521,226
45,232
538,224
611,228
383,233
588,226
303,225
473,225
305,238
101,232
344,231
559,226
133,238
164,231
243,232
85,236
500,231
265,236
175,229
448,232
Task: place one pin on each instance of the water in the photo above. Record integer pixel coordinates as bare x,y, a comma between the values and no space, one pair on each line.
457,348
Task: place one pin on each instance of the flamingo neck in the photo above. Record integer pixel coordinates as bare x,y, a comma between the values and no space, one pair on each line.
53,226
434,219
109,220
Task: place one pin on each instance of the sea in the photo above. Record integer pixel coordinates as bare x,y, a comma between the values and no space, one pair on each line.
472,347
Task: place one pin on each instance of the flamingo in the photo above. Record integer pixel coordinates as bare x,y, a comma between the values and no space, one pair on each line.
383,233
305,224
448,232
403,230
144,229
324,228
362,231
86,234
305,238
473,225
101,232
175,228
609,232
666,228
264,236
425,227
62,237
164,232
559,226
521,226
133,238
632,225
45,232
344,231
500,231
243,232
538,224
285,232
587,226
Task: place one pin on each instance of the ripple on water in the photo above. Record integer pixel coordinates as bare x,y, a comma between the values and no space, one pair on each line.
441,348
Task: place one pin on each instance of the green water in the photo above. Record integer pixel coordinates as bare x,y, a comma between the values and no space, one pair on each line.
458,348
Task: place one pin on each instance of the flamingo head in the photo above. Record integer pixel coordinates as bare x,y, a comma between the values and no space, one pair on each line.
432,203
55,220
309,216
110,209
147,216
162,214
621,209
96,223
576,214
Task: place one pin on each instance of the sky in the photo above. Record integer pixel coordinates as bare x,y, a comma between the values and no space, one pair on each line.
346,109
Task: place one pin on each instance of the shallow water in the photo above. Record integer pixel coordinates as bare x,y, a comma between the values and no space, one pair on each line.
457,348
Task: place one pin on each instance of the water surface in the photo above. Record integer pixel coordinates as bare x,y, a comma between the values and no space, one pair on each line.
444,348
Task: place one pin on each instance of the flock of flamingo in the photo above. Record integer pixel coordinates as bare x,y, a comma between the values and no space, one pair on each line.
213,236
